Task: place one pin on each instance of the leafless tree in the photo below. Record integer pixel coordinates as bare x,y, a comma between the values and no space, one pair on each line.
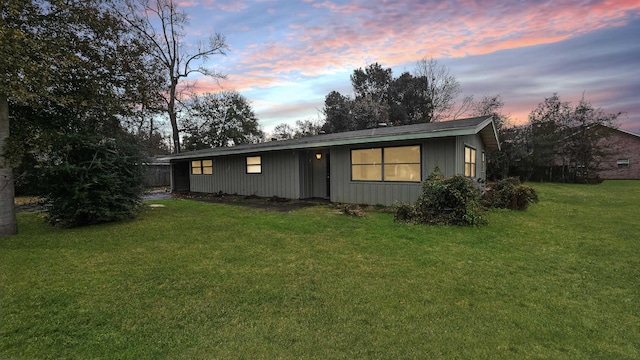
441,91
162,24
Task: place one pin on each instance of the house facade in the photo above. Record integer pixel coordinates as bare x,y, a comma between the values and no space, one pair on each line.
375,166
622,158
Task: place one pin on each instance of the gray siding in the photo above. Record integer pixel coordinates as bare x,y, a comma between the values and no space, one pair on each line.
280,176
343,190
446,153
306,175
297,174
440,153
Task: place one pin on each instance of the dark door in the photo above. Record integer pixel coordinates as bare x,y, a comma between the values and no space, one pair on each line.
328,176
180,176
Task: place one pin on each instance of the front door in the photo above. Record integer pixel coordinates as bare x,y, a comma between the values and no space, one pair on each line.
180,176
320,177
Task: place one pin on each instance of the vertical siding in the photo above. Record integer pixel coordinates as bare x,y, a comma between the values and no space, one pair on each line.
306,175
446,153
298,174
280,176
440,153
343,190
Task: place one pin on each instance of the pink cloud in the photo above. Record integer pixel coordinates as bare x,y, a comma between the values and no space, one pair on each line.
465,29
336,37
187,3
232,6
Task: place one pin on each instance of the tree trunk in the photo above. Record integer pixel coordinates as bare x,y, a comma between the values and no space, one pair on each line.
8,224
173,118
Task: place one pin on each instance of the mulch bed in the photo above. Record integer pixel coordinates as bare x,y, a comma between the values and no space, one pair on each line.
272,203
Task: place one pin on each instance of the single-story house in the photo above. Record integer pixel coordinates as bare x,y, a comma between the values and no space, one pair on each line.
374,166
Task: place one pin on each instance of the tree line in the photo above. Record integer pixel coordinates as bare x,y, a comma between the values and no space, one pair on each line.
560,142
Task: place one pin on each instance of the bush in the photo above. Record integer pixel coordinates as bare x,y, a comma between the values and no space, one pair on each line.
448,201
509,193
92,180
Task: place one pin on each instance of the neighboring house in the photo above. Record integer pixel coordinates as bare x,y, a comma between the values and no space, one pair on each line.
622,159
375,166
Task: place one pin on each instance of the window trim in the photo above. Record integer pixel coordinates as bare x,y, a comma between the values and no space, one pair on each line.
383,163
623,162
202,168
252,165
473,165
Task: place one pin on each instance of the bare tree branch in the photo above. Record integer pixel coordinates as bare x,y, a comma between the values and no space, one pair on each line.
166,45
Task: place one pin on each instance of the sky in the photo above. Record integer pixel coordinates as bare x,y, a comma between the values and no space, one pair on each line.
286,56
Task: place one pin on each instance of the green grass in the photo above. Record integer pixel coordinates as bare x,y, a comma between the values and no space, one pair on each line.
199,281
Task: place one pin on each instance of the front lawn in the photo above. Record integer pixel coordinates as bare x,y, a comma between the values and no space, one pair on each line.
197,280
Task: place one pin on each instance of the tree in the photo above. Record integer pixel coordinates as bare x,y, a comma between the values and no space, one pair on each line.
548,123
337,112
371,90
407,101
372,82
499,161
585,145
302,128
567,142
162,25
305,128
283,132
8,224
440,89
64,63
428,95
218,120
92,179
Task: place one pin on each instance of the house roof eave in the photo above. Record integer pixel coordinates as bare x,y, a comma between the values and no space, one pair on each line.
486,128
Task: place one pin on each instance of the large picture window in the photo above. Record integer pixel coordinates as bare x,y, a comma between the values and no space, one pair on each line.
254,164
469,161
202,167
401,163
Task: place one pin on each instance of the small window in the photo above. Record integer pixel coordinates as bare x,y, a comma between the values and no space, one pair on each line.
469,161
254,164
484,162
623,162
202,167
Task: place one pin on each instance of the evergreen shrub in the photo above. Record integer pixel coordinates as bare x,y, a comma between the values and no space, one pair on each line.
447,201
509,193
91,180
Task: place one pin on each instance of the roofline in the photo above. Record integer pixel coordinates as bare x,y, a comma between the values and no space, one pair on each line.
625,131
282,144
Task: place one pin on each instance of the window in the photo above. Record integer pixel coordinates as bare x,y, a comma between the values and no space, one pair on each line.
484,162
254,164
623,162
469,161
202,167
400,163
366,164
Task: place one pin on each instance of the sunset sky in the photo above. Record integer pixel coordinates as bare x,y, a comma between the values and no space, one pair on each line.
286,56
